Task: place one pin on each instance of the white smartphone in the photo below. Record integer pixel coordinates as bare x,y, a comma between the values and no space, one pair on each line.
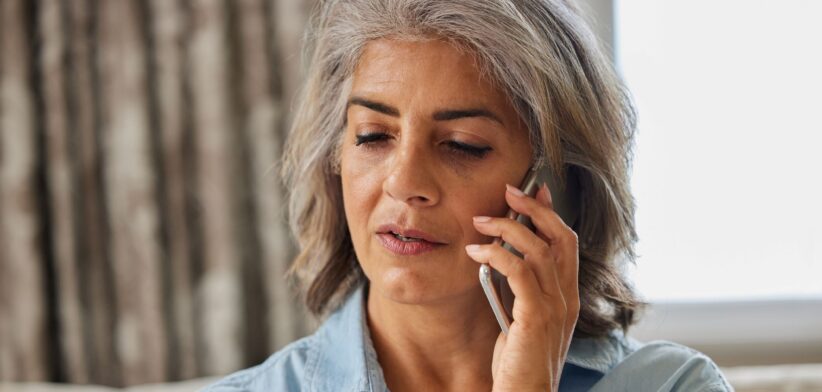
495,286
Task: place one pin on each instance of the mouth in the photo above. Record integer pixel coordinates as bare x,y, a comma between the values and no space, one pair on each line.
407,242
404,238
409,234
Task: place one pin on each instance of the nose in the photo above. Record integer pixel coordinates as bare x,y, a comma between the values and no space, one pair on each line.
411,177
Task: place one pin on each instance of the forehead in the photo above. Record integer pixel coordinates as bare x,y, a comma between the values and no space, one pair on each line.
436,68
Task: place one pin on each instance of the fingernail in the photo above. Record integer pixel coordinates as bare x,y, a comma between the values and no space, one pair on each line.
482,219
547,193
514,191
473,248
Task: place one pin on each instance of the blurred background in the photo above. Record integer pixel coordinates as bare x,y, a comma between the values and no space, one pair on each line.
142,231
143,235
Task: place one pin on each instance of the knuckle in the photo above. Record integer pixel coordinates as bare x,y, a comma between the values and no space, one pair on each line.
500,228
543,251
520,272
497,249
574,237
573,307
505,229
568,236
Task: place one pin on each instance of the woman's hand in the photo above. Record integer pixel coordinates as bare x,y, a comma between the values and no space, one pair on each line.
544,282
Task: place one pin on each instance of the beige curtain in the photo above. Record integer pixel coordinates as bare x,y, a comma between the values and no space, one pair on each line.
143,236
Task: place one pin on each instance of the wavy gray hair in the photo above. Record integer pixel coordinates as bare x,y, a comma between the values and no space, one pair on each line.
544,57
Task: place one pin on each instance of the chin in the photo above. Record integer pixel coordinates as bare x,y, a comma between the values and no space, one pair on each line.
410,287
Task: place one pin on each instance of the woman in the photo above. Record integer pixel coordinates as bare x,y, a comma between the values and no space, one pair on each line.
418,120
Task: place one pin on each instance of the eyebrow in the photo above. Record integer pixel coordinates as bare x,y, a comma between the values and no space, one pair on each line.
441,115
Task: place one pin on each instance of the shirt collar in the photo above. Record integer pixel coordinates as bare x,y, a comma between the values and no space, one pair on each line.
346,359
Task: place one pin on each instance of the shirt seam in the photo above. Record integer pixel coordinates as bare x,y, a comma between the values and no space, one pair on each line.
263,368
715,387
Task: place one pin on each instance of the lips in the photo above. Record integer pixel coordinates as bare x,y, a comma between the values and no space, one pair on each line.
409,233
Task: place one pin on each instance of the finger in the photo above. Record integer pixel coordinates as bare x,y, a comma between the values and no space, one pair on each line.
544,196
571,270
569,282
532,307
543,216
562,239
547,222
536,252
521,278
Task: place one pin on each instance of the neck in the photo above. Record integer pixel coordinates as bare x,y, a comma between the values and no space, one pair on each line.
447,345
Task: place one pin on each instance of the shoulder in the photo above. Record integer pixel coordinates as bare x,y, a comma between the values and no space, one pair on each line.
666,366
284,370
338,356
617,362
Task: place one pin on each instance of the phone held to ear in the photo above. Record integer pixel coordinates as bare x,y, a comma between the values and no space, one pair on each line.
493,283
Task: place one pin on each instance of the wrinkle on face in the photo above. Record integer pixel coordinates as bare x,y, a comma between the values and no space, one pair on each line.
415,177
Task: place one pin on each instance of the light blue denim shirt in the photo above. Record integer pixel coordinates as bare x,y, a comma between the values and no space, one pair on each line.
340,356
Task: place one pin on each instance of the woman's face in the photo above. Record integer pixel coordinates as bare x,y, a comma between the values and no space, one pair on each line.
428,145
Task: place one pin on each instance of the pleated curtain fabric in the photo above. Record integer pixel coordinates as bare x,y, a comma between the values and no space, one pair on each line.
143,235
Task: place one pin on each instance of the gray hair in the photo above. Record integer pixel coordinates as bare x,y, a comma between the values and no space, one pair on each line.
544,57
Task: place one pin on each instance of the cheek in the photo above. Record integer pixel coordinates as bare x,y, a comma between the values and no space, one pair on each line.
479,201
361,190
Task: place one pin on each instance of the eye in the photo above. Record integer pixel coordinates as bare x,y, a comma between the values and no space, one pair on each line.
370,137
469,150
